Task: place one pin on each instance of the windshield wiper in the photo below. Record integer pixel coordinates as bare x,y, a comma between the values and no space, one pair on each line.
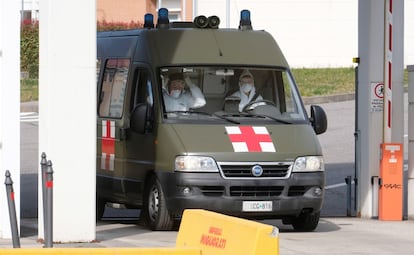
225,118
208,114
261,116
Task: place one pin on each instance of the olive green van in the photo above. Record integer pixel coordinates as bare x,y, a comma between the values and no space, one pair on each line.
253,156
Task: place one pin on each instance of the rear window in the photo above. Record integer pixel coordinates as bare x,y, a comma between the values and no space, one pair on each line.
112,95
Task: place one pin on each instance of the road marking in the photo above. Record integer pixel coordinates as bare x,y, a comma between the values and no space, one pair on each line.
29,117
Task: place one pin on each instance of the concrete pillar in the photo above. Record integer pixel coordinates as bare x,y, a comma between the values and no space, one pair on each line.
67,115
370,113
9,107
370,104
410,196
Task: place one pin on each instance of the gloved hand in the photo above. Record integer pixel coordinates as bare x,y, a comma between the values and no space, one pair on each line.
165,83
188,82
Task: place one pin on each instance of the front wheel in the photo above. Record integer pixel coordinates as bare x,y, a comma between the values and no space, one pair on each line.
306,221
155,209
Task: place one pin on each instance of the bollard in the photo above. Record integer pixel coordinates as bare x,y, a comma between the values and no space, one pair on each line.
49,206
348,181
12,210
43,167
376,184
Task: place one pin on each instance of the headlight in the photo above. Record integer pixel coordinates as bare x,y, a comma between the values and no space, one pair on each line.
195,164
308,164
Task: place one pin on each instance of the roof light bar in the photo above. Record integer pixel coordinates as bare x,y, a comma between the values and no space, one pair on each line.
204,22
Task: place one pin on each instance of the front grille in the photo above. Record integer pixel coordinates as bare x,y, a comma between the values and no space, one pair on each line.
212,191
295,191
255,191
243,170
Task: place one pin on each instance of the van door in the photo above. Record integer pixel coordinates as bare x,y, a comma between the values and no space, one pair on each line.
139,153
112,91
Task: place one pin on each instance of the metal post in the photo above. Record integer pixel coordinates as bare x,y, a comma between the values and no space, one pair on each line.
348,181
49,206
357,134
376,183
43,167
12,210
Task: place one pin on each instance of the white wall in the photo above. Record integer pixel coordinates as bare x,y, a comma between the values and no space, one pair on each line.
409,33
9,107
312,33
67,115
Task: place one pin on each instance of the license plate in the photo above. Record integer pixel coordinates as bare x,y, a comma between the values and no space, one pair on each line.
257,206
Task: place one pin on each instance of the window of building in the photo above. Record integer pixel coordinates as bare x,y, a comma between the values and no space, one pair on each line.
174,9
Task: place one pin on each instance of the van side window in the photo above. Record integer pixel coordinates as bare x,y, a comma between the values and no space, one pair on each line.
98,69
111,99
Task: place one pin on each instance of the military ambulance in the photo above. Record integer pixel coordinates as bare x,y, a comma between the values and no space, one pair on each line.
256,158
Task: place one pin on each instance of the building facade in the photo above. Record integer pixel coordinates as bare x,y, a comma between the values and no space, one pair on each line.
133,10
321,33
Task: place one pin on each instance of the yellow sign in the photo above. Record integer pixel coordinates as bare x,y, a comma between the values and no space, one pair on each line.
216,234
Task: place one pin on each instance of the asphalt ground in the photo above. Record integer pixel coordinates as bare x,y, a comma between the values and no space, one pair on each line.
332,236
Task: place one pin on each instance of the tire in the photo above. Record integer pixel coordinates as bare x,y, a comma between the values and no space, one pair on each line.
306,222
155,213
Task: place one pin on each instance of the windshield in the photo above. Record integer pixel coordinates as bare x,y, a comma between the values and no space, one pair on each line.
235,94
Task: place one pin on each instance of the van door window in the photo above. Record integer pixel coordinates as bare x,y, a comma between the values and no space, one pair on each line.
142,91
98,69
111,99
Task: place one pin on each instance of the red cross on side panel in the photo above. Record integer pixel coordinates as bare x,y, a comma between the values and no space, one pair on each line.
108,145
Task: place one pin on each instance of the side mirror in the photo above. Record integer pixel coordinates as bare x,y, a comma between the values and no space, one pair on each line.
318,119
138,119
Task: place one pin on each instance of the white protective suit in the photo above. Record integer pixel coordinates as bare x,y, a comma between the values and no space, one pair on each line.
244,99
192,98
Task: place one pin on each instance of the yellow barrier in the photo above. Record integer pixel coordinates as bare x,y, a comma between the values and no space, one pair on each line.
201,232
102,251
217,234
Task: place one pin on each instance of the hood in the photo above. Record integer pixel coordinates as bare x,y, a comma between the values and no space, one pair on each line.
248,142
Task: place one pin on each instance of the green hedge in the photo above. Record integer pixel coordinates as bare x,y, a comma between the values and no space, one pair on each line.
29,48
110,26
29,42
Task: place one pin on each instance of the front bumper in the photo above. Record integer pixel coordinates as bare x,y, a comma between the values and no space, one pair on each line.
289,197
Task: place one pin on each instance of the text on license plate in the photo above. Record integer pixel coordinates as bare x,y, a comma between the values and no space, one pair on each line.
257,206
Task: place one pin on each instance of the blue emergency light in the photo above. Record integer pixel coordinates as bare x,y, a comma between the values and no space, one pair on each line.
163,21
245,22
149,20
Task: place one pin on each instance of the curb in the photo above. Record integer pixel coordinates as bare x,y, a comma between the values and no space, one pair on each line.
328,99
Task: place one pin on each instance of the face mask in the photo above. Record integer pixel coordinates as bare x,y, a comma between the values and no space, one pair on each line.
175,93
246,87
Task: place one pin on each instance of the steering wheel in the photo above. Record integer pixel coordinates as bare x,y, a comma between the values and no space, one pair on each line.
254,104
